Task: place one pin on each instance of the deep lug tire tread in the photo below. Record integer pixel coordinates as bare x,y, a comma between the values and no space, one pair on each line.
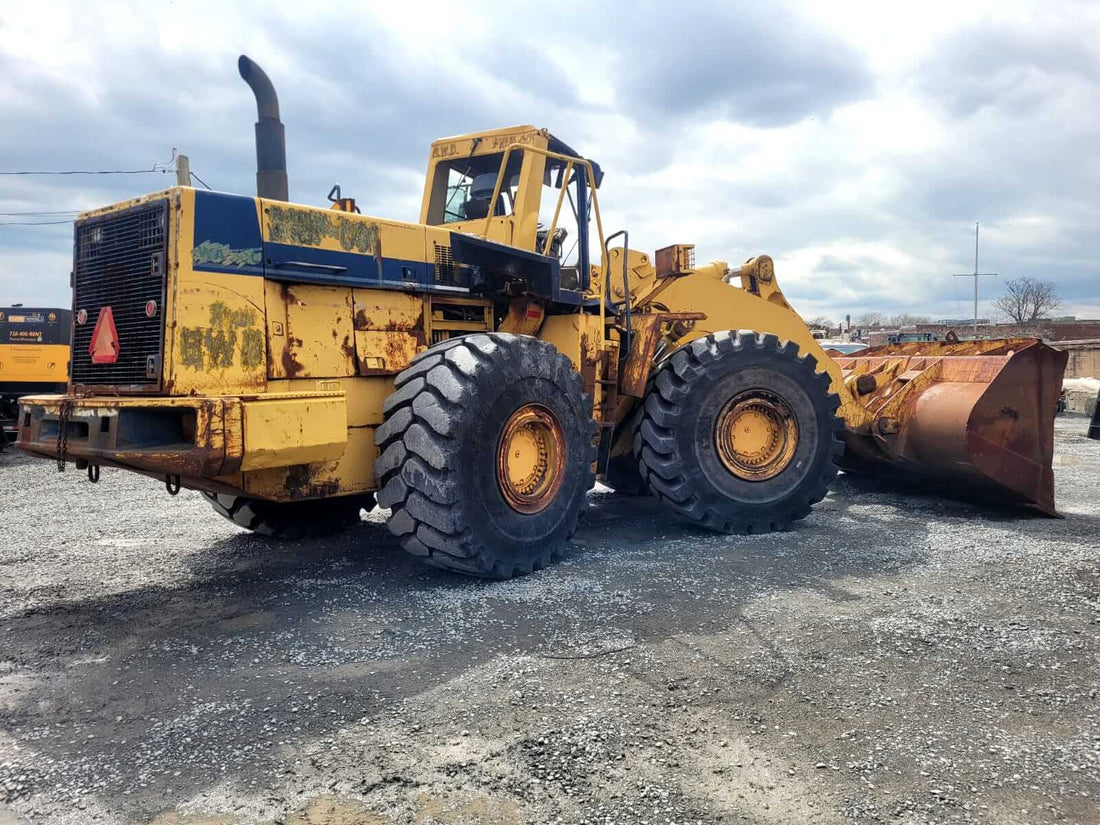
426,421
678,481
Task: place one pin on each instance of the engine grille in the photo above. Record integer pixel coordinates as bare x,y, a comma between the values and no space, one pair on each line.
119,261
444,266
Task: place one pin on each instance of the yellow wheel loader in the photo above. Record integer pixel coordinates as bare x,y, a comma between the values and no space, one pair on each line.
477,370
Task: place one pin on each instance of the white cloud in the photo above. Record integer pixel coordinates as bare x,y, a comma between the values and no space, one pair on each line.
856,142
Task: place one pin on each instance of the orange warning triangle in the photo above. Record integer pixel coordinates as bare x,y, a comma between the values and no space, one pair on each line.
104,344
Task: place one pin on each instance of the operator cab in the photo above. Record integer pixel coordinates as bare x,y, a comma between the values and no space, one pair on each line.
538,208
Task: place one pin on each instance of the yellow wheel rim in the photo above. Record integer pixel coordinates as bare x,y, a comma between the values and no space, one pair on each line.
756,435
531,459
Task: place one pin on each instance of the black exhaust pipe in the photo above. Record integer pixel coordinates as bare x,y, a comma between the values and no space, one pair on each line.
270,133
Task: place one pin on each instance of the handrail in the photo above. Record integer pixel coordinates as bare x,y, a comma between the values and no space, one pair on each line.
626,284
591,178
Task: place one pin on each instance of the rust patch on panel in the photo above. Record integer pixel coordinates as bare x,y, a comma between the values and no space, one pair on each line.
300,484
645,334
291,365
589,357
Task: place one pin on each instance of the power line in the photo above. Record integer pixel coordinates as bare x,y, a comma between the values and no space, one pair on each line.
33,223
59,213
50,212
89,172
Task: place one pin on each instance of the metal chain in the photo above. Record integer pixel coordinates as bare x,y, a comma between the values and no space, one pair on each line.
63,432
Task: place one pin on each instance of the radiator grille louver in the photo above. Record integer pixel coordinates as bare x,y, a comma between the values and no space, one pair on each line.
119,261
444,266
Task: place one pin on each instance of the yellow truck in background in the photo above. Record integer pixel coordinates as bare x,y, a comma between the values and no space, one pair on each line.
34,358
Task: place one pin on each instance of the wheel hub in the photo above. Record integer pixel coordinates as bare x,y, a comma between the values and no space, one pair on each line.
531,459
756,435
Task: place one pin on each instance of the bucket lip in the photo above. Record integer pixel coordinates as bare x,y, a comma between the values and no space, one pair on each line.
981,346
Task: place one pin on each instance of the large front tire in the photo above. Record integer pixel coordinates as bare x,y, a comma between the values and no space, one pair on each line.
739,433
485,454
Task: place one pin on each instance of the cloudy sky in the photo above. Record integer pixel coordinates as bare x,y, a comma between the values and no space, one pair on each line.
856,142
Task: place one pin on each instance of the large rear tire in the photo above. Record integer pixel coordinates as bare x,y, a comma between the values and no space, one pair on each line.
486,454
739,433
292,519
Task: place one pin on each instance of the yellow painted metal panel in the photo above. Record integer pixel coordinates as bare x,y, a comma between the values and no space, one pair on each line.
352,473
316,339
363,396
386,353
389,330
384,310
214,336
404,241
577,337
728,307
277,347
318,228
282,432
331,229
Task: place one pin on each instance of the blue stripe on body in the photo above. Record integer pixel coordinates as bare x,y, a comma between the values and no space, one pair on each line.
227,234
228,239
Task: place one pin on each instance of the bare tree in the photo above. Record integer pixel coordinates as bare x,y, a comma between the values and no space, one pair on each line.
904,319
869,319
821,322
1027,300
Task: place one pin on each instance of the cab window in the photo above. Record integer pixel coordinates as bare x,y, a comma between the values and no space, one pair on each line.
570,233
469,188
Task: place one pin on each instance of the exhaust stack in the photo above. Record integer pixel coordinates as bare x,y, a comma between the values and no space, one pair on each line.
271,179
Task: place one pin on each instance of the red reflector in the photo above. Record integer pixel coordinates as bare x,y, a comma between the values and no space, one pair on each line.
104,344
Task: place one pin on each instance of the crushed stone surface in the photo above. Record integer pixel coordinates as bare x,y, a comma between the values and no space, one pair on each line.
897,657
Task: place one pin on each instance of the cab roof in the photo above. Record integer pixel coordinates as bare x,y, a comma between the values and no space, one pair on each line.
512,134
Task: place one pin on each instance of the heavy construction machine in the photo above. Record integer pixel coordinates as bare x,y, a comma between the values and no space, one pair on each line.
34,358
475,371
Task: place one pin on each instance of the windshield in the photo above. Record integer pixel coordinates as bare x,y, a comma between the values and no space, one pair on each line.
470,183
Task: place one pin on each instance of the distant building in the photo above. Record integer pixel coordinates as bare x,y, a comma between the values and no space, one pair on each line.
965,322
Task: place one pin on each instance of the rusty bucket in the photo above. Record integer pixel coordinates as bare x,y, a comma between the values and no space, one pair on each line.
977,416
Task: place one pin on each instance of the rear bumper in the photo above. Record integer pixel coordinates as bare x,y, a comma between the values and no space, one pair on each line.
194,438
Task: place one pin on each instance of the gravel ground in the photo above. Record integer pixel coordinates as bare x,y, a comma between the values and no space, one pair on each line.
897,657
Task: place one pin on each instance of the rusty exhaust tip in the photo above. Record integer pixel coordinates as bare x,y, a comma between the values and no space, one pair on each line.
975,415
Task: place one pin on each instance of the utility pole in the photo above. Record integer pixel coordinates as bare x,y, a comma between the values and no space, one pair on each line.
976,275
183,171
